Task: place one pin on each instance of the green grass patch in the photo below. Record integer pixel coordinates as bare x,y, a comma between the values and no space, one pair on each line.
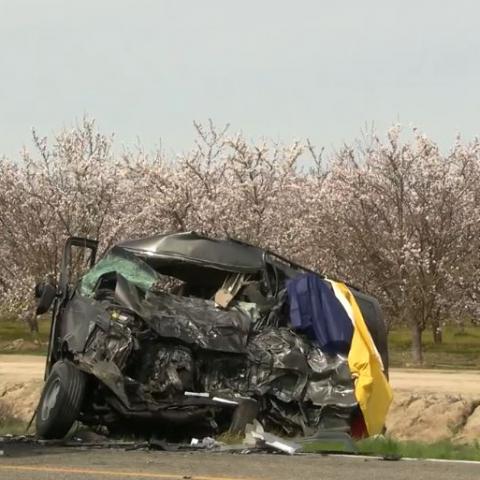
454,339
10,424
12,329
447,450
392,449
326,446
460,349
230,438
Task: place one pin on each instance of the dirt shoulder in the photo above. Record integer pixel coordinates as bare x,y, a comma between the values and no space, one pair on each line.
458,382
21,368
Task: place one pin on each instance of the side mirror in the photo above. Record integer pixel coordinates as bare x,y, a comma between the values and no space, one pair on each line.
46,294
39,287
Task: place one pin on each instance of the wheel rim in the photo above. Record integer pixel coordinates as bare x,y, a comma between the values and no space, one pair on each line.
50,399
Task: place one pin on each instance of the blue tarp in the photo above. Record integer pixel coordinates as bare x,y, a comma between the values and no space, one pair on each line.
316,311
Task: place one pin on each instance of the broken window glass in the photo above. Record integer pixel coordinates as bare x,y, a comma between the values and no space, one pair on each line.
132,268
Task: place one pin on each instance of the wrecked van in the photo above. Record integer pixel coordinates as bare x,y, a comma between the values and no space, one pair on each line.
181,332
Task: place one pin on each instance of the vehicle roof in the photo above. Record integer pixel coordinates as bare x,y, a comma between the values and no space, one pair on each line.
190,247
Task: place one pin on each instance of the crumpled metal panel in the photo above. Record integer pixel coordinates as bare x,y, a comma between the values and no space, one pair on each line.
224,374
299,387
187,344
172,371
278,364
106,355
194,321
330,381
197,322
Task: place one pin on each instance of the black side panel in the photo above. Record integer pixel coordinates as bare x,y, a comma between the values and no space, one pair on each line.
372,314
77,321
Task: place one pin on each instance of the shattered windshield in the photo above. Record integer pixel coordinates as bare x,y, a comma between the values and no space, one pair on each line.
132,268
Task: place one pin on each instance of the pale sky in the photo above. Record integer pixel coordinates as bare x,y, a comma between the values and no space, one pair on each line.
271,68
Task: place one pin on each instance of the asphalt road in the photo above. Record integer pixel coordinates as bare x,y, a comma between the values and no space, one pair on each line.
78,464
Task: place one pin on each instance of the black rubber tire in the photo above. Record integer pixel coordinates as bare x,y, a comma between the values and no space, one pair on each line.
61,400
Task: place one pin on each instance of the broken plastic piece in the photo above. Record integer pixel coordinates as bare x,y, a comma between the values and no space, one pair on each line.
251,431
257,437
245,413
229,289
197,394
278,443
225,400
207,442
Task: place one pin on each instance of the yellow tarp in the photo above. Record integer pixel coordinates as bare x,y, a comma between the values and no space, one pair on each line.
372,389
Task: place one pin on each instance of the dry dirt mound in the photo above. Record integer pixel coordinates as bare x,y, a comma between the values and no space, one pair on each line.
21,380
471,429
434,405
20,399
431,417
19,345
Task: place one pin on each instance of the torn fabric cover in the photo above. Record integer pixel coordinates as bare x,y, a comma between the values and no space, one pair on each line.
315,310
372,390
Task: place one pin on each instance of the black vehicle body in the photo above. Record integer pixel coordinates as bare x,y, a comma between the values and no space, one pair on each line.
153,355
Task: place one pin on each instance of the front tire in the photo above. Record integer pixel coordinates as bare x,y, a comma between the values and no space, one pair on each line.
61,400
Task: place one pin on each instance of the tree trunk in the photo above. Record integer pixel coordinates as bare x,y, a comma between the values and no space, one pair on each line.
29,316
417,350
437,333
436,328
33,324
